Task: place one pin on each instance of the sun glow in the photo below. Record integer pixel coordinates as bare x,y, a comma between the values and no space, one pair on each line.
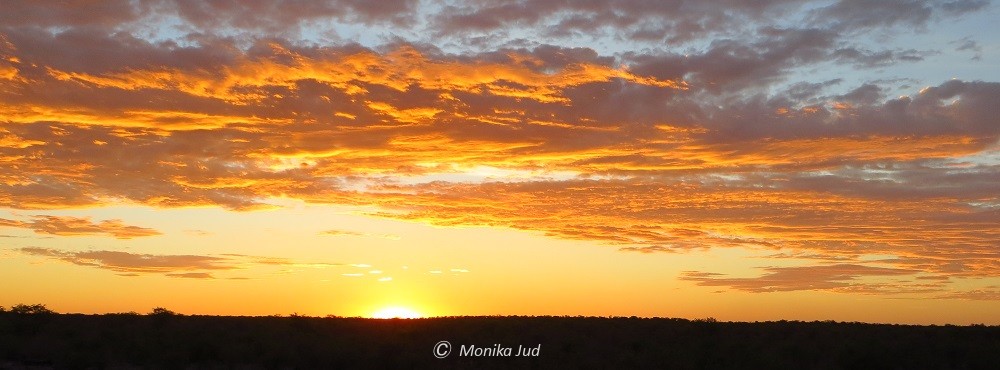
396,312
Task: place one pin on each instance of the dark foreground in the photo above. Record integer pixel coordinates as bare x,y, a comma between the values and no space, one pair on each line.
41,341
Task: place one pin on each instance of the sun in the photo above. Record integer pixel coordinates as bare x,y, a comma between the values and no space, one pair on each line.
396,312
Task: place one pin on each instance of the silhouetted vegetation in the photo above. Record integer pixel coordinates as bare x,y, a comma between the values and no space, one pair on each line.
160,311
31,309
32,337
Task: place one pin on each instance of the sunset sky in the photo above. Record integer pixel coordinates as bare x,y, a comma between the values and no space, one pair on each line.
743,160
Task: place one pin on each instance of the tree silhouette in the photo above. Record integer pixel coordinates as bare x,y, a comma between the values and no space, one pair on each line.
160,311
31,309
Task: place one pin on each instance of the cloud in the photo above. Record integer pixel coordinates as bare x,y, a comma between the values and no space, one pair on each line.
861,14
278,16
265,16
186,266
823,277
671,21
73,13
647,249
707,131
192,275
968,44
883,58
682,21
355,233
655,154
932,226
731,64
204,158
341,232
76,226
136,263
988,294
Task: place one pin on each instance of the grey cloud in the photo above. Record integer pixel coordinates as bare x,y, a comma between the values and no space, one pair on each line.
283,16
951,108
673,21
850,15
68,13
683,21
809,91
865,94
91,50
905,181
733,65
882,58
968,44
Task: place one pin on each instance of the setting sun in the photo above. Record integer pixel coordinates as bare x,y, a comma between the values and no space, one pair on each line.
396,312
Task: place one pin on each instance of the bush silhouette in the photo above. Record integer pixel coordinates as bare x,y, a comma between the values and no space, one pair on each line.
31,309
160,311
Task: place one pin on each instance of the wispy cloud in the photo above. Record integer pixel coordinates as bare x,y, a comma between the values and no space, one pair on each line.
192,275
75,226
187,266
821,277
336,232
991,293
138,263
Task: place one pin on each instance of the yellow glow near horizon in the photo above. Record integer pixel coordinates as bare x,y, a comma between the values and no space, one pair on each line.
396,312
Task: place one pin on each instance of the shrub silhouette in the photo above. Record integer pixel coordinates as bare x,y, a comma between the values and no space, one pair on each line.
31,309
160,311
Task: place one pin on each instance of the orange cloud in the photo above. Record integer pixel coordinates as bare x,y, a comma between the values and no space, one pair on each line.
75,226
930,231
136,263
822,277
247,81
647,153
192,275
189,266
991,293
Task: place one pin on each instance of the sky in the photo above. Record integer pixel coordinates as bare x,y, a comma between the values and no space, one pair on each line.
742,160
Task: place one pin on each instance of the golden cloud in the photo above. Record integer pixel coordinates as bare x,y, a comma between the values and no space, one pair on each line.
550,140
76,226
190,266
